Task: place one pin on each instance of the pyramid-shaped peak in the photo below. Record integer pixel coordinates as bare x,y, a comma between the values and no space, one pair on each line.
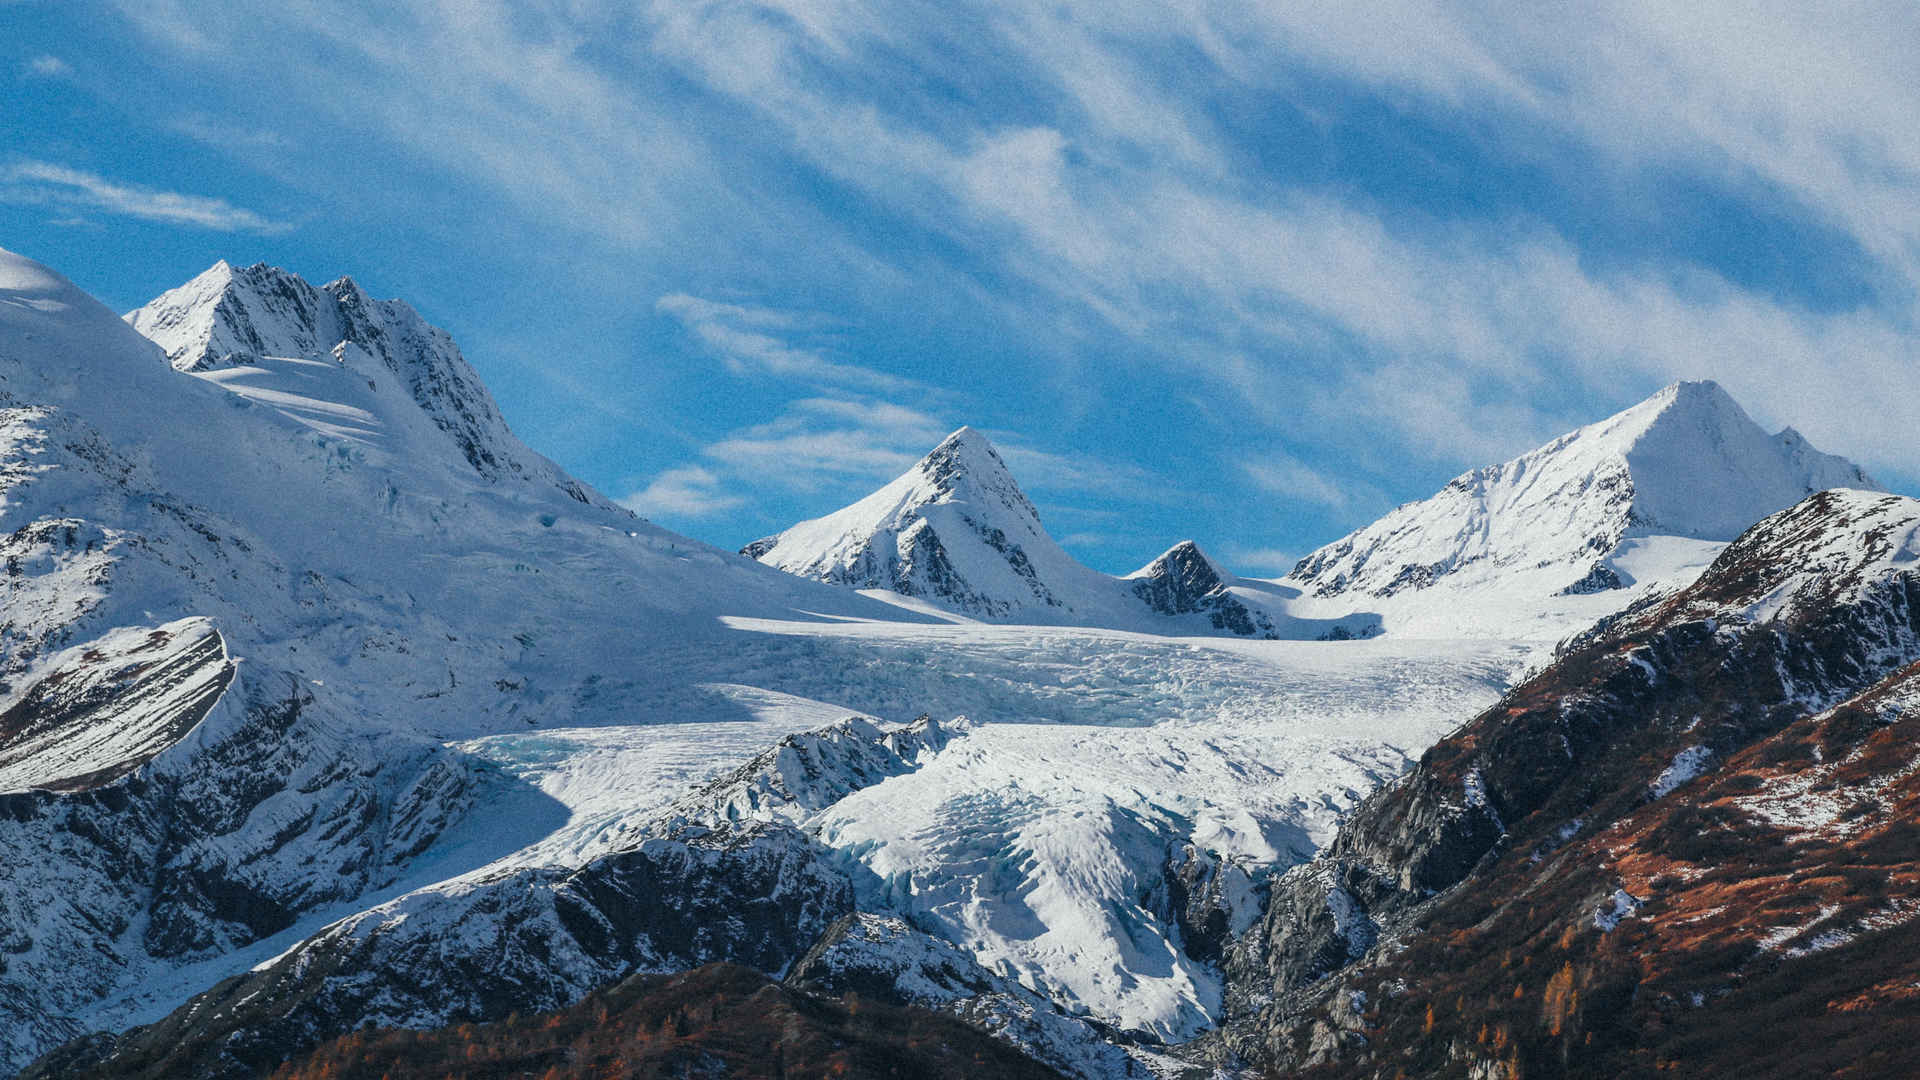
967,460
1699,402
1700,396
1186,553
1687,462
967,442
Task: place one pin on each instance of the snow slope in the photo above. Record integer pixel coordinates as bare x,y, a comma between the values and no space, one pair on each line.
1543,543
379,595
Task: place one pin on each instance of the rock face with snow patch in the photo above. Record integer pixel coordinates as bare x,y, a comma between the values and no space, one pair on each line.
98,711
533,940
885,959
1183,581
722,875
1686,463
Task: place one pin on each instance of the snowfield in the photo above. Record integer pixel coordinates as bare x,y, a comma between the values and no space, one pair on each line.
1038,837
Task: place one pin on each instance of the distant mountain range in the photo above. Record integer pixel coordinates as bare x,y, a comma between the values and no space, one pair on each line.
1637,501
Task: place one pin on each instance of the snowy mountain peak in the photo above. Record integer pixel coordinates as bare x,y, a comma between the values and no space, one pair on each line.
966,461
1688,462
1702,468
1186,563
340,361
954,529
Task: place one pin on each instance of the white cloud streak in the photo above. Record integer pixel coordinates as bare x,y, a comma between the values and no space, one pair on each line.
747,339
47,66
689,491
58,185
821,441
1280,474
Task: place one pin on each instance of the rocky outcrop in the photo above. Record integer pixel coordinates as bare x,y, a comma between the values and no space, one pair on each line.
880,958
1183,581
722,875
98,711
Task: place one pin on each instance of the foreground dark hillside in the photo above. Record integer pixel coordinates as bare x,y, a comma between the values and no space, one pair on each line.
1690,847
719,1020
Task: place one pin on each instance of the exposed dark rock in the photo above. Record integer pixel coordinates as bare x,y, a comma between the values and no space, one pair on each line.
533,939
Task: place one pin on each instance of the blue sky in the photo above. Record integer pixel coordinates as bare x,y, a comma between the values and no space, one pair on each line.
1247,274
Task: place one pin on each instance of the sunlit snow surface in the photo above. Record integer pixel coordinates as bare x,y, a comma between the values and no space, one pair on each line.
1036,838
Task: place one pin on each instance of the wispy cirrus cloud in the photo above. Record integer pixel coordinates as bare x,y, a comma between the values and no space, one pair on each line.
1404,232
73,189
818,441
1073,472
1264,562
757,339
1281,474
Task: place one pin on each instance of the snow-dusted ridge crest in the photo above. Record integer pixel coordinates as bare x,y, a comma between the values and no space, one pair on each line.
956,531
341,361
1639,501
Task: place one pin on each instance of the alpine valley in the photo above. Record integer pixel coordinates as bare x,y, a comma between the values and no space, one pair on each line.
327,704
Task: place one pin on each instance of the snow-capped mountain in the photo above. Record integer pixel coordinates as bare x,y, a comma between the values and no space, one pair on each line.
315,710
369,371
1642,498
957,532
